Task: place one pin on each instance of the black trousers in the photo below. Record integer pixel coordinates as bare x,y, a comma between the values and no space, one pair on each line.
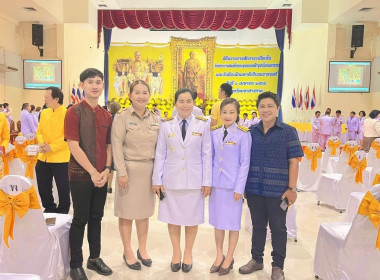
88,204
45,172
264,210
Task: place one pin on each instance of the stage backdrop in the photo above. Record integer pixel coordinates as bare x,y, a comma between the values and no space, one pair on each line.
198,64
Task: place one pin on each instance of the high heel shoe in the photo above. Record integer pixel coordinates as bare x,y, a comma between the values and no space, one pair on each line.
215,268
146,262
186,267
175,266
224,271
135,266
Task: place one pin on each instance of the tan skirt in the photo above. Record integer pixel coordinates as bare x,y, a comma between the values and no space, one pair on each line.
137,200
367,142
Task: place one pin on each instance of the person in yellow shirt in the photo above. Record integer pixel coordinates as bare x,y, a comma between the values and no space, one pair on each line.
224,92
54,154
4,132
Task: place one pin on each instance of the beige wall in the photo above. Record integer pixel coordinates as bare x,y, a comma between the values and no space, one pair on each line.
307,63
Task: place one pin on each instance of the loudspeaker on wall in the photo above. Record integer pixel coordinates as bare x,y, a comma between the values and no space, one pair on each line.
357,36
37,35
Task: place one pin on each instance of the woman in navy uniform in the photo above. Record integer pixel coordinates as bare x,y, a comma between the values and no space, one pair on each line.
231,157
182,171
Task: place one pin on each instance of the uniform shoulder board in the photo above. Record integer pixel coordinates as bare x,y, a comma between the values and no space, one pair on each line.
243,128
121,110
216,127
167,119
201,118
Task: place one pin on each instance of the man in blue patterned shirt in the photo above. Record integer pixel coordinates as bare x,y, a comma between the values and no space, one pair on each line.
272,178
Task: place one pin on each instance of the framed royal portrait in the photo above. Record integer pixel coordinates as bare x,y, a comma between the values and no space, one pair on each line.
193,65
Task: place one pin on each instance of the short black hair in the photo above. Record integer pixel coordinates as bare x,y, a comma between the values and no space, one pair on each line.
352,112
183,90
227,88
318,112
90,73
32,107
364,114
245,114
24,106
268,94
1,105
56,93
6,105
374,114
338,112
231,101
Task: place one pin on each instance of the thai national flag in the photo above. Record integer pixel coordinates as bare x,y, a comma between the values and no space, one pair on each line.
79,96
313,100
307,98
73,95
294,98
300,101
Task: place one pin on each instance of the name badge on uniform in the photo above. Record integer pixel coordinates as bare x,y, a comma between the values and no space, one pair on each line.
154,124
231,143
197,134
132,123
171,135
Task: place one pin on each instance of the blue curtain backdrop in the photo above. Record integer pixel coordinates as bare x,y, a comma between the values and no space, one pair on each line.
280,36
107,42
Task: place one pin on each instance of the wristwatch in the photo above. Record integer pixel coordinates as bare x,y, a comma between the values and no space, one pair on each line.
293,189
108,167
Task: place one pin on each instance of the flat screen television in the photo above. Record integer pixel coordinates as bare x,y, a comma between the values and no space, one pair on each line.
40,74
349,76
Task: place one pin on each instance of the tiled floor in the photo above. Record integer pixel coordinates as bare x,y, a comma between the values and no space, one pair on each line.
298,264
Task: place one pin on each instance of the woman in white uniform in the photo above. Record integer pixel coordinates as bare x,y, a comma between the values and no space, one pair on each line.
183,173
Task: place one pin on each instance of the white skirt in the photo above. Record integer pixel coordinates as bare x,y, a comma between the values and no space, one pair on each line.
182,207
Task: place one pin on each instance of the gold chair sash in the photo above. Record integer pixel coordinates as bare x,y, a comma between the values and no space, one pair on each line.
19,151
12,204
333,146
350,150
376,180
371,207
360,165
376,147
31,162
7,158
313,156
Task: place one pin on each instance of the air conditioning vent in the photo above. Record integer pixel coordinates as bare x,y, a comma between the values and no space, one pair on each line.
286,5
102,6
365,9
6,68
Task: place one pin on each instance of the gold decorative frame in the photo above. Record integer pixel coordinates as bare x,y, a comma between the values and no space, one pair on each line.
178,47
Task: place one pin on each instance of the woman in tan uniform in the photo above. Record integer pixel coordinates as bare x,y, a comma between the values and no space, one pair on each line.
134,137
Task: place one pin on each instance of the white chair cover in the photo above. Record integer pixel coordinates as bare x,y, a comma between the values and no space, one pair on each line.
308,180
36,249
346,251
341,165
327,153
372,160
335,189
14,276
291,223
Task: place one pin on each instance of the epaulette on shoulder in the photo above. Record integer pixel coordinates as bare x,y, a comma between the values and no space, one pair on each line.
243,128
201,118
121,110
167,119
216,127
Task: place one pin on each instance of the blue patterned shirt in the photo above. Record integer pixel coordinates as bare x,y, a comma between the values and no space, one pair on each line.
269,168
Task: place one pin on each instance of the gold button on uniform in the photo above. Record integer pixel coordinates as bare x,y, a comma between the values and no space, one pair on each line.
221,147
220,158
183,158
183,168
220,169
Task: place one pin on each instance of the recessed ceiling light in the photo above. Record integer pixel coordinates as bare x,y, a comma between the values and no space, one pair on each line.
30,9
102,5
286,5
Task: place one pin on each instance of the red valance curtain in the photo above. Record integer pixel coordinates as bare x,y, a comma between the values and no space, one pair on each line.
195,20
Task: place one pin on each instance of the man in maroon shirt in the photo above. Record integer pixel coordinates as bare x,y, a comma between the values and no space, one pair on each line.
87,131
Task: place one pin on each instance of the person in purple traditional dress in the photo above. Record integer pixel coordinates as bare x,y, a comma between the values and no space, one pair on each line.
231,158
352,126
